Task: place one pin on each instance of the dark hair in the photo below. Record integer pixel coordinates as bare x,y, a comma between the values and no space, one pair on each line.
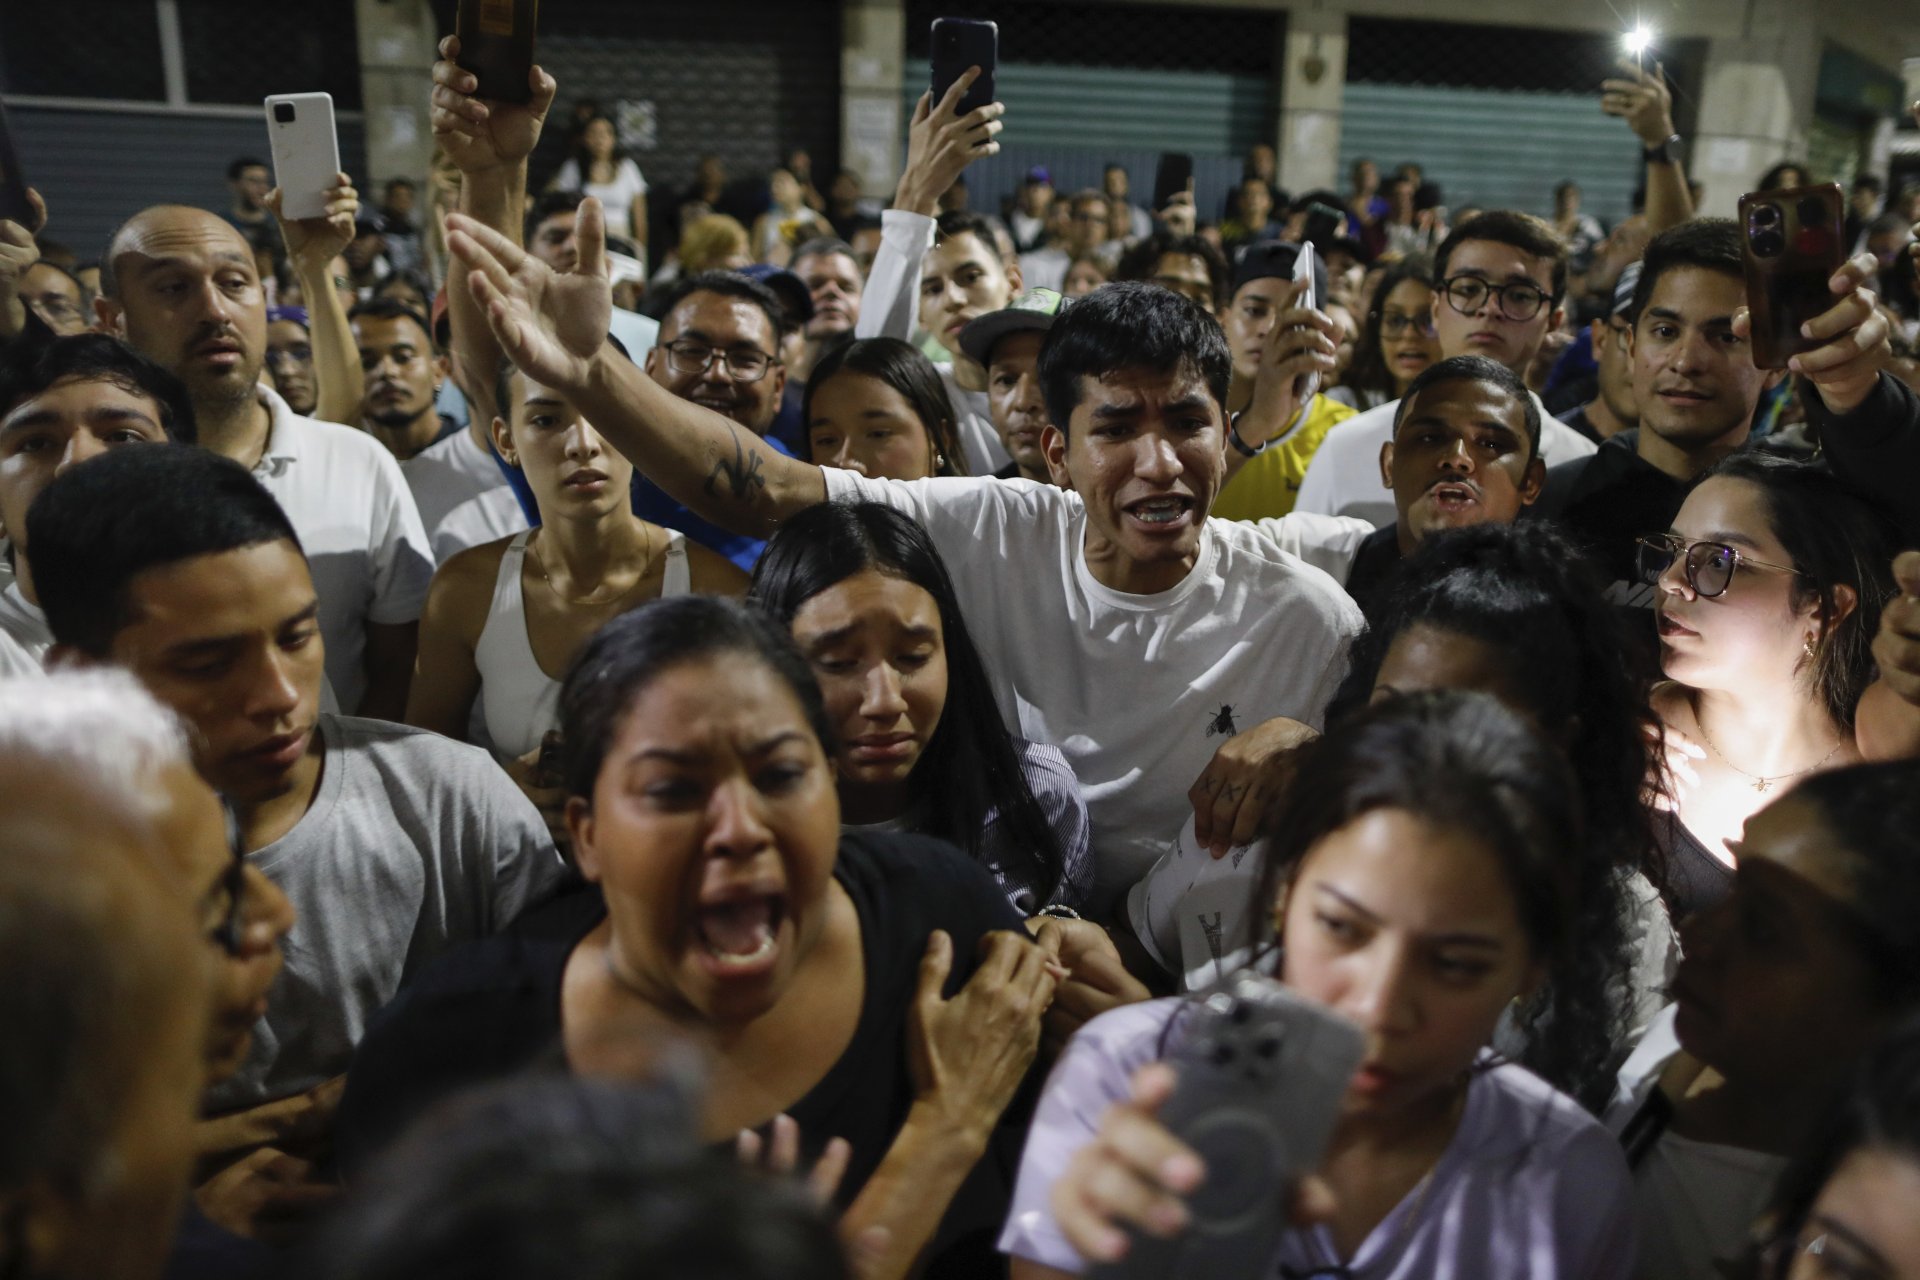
1563,186
28,368
965,222
1527,592
1476,369
99,526
1466,763
391,183
730,284
1532,236
243,164
556,1175
413,277
1871,812
1367,371
633,650
382,308
1770,180
970,770
1869,182
577,144
1835,537
1131,325
1712,244
824,247
906,369
1141,261
546,206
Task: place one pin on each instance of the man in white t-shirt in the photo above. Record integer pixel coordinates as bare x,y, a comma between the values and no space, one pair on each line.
179,285
1152,645
1498,283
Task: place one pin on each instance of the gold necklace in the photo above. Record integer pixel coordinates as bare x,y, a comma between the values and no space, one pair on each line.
533,547
1763,783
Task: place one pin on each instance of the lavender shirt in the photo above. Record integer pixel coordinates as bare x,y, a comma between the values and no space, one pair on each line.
1530,1188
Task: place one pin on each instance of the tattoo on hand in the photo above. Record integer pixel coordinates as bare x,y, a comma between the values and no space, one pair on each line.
1232,792
742,472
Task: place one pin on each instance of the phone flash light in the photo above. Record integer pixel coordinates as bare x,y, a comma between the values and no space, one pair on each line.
1637,40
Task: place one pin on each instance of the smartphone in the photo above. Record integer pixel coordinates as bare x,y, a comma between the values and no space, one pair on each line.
1260,1075
14,206
960,43
1173,176
496,45
1323,223
1307,385
1792,241
306,153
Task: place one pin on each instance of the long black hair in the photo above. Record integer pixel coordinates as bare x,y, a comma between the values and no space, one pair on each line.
1527,593
906,369
1368,371
970,769
1466,762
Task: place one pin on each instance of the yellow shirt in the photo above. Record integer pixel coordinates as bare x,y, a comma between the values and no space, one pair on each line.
1267,485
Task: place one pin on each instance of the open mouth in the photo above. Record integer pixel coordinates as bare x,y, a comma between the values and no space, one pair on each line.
742,933
1161,514
1453,495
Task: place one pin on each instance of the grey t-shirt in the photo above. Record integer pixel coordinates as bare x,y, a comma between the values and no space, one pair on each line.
413,843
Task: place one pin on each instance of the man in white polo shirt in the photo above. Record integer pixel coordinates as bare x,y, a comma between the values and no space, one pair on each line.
1153,645
1499,279
179,285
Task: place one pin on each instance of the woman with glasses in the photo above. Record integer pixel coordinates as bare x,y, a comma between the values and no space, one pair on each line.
504,618
1767,594
1396,340
877,406
1811,957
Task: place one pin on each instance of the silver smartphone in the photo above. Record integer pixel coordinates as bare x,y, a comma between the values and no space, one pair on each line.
306,152
1307,385
1261,1074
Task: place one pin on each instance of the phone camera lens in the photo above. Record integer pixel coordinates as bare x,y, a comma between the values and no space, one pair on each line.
1768,244
283,112
1766,215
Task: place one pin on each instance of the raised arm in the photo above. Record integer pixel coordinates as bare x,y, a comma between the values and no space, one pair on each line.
554,326
1642,99
1301,344
312,245
18,251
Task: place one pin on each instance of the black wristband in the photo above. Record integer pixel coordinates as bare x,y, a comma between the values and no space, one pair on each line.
1662,154
1233,438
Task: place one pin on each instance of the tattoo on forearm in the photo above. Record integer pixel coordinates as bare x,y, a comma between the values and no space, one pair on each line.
742,473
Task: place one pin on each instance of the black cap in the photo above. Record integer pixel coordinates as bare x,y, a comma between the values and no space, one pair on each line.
795,298
1270,258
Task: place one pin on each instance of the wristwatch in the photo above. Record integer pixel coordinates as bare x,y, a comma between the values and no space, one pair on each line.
1233,437
1663,153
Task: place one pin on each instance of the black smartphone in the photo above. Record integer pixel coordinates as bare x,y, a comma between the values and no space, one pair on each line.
14,206
1322,225
1171,177
1791,244
960,43
496,45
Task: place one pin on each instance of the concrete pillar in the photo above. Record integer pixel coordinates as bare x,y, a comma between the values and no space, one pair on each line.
1755,103
397,40
1313,77
872,129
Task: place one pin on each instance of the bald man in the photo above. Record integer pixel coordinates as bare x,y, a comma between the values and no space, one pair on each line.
179,285
105,1010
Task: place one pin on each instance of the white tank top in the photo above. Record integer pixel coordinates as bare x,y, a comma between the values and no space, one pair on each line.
518,700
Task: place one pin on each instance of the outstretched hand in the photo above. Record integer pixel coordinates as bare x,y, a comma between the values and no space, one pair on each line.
479,135
551,324
1642,99
1302,343
312,243
1855,339
941,143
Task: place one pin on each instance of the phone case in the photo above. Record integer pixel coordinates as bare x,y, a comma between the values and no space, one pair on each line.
14,206
496,44
1261,1073
306,154
1792,241
959,43
1171,178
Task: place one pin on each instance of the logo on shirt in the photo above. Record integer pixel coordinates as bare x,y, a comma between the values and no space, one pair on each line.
1212,926
1635,595
1222,724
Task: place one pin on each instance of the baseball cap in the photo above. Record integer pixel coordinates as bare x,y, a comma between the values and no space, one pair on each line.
1623,290
1039,174
795,298
1270,258
1032,311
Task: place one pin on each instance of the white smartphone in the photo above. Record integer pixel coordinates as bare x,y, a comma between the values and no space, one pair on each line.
306,154
1308,385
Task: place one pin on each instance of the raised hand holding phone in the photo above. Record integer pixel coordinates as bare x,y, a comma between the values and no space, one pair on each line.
482,135
942,142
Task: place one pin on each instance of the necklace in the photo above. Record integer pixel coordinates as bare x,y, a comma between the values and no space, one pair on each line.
1763,783
589,598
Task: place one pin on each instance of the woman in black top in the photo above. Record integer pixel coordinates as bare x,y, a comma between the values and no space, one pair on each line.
818,972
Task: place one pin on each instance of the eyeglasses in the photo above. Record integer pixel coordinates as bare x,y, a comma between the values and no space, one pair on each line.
234,881
1708,566
1395,323
1829,1256
1517,301
689,358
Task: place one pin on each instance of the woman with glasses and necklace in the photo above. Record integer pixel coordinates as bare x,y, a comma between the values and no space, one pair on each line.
1767,595
504,619
1397,339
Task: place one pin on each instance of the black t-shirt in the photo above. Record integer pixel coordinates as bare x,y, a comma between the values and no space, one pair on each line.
492,1008
1374,561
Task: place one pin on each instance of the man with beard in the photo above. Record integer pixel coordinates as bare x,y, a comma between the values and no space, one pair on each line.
403,374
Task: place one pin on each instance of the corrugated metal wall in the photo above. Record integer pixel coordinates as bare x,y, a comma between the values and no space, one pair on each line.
96,168
1494,148
1077,119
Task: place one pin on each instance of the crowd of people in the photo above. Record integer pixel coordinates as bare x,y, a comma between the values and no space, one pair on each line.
544,731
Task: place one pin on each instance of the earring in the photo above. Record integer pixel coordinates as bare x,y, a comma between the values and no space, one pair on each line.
1808,646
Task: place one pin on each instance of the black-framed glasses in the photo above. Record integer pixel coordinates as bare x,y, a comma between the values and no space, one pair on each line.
234,882
689,357
1830,1256
1516,301
1395,323
1708,566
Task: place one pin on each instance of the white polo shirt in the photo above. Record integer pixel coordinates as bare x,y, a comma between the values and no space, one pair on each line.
1344,477
463,498
356,520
